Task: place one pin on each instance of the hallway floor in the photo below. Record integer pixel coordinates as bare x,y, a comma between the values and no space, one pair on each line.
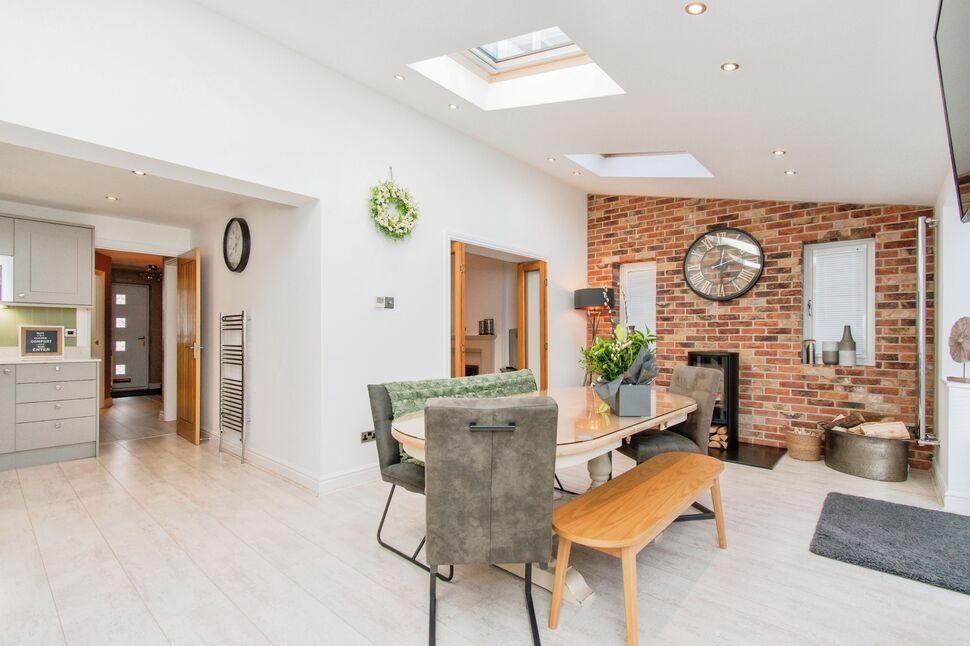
134,418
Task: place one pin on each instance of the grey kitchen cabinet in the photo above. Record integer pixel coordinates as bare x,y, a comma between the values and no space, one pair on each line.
48,412
6,236
8,420
53,263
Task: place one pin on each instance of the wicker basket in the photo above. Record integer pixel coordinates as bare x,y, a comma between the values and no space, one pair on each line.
804,445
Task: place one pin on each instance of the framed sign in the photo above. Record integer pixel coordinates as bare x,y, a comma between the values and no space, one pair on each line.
41,341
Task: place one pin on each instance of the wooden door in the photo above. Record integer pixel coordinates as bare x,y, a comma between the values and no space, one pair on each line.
457,309
129,316
189,289
53,263
532,285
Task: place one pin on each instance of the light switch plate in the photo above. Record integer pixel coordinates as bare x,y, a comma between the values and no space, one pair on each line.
70,332
379,303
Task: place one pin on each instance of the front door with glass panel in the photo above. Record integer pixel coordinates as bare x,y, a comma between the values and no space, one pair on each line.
129,334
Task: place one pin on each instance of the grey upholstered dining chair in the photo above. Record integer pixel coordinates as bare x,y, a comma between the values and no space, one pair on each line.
489,465
702,385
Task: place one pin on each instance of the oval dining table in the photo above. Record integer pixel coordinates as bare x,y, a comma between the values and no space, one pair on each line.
584,434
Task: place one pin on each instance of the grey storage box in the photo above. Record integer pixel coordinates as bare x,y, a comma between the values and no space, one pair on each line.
875,458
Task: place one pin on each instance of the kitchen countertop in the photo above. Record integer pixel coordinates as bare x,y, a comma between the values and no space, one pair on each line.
10,355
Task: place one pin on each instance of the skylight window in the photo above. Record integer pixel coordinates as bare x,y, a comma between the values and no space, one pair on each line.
544,66
658,165
550,42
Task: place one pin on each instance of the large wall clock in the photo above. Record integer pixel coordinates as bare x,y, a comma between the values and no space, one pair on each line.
236,244
723,264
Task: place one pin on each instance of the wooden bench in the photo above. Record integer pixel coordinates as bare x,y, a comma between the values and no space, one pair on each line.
622,516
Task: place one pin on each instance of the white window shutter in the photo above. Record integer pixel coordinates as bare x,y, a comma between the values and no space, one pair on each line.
638,305
842,292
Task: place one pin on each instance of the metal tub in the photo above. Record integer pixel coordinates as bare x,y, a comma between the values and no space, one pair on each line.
874,458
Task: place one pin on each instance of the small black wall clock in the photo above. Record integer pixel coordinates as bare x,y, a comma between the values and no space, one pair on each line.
236,244
723,264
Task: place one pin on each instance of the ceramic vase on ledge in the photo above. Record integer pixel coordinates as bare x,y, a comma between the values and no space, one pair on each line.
847,347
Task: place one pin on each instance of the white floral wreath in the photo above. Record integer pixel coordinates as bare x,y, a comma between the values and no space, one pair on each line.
393,210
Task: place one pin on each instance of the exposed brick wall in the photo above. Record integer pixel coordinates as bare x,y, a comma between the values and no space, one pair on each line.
765,325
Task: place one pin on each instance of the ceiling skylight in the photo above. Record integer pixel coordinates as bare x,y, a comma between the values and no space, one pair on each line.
543,44
664,165
544,66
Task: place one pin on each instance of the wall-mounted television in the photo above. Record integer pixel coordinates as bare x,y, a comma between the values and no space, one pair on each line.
953,59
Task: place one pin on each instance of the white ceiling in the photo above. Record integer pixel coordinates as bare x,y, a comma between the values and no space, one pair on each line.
848,88
45,179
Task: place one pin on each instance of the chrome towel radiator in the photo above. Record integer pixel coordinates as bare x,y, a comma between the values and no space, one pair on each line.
232,378
923,436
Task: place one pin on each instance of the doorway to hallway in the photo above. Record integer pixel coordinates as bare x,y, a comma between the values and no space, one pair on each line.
134,418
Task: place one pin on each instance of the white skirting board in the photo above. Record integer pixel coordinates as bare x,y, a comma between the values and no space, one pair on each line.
322,483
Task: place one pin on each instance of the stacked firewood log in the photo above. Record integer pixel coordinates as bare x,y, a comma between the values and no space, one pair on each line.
718,438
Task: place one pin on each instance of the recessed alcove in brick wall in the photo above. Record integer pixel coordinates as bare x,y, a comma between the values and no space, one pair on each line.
765,325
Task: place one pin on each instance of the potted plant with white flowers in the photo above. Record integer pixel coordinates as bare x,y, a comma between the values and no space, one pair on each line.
626,367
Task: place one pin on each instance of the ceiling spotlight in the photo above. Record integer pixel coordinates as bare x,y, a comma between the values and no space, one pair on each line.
400,77
695,8
140,173
577,172
550,159
111,198
790,172
777,153
730,67
452,106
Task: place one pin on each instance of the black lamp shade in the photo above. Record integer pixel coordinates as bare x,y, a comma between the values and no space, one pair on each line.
593,298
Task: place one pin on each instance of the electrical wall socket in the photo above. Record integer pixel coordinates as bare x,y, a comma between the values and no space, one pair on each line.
70,332
367,436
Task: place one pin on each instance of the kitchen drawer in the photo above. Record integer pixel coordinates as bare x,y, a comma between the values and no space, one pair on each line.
56,391
40,411
40,435
41,372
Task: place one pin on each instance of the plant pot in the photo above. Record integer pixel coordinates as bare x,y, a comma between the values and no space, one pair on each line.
628,400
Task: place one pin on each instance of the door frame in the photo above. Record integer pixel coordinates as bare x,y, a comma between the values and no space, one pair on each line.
523,253
522,269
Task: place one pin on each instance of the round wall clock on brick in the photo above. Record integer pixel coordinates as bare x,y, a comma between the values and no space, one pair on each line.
723,264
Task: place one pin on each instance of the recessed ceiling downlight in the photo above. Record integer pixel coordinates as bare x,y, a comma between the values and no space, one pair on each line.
400,77
577,172
452,106
140,173
778,153
790,172
695,8
730,67
111,198
550,159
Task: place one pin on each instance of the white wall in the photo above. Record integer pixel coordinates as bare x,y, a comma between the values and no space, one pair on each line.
952,461
490,293
280,291
200,91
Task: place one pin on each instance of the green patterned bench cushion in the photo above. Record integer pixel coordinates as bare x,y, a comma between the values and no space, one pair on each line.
410,396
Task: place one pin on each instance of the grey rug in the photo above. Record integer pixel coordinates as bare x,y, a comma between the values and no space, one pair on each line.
920,544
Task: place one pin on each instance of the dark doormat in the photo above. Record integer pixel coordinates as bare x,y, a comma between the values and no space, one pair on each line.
921,544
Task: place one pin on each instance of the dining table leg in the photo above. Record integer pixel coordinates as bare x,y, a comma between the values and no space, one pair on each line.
600,469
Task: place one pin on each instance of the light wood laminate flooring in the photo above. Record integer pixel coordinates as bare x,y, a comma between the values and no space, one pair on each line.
159,541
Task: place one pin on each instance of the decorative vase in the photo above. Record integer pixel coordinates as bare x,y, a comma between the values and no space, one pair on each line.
830,353
847,347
